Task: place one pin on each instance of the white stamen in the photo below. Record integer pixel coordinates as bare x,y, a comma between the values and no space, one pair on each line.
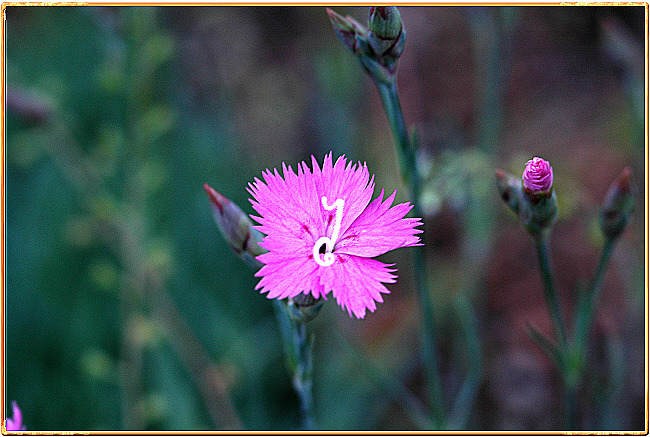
328,257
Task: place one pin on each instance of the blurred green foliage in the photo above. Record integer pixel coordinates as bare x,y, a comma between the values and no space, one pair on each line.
124,307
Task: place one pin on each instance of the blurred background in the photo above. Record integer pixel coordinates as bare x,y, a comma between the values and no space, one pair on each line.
125,309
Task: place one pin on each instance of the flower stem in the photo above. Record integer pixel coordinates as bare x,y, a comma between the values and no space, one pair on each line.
298,347
567,364
550,294
393,108
592,295
570,406
302,378
406,152
577,349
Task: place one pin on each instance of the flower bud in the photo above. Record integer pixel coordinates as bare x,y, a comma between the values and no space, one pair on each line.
16,422
235,226
538,177
304,307
618,205
509,187
377,48
348,30
385,29
531,198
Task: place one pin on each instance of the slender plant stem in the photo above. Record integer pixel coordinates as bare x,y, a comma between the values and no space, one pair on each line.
574,373
570,406
393,109
550,290
302,379
298,348
569,382
391,103
586,311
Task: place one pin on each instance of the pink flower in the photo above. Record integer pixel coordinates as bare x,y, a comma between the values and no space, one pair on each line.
537,176
322,232
15,424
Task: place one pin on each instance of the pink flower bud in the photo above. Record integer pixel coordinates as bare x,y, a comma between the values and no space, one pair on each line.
235,226
538,176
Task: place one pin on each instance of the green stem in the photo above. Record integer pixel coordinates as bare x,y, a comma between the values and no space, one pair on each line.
569,381
570,406
586,310
393,109
297,346
574,372
550,294
302,379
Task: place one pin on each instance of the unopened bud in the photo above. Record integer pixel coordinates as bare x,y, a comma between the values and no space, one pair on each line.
304,307
235,226
538,177
509,187
385,30
349,31
531,197
377,48
618,205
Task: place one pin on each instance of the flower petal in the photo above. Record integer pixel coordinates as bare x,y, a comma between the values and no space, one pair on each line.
379,229
285,276
352,183
289,208
356,283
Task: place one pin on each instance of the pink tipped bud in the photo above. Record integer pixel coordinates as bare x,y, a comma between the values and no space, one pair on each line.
15,423
538,176
618,205
531,198
348,30
235,226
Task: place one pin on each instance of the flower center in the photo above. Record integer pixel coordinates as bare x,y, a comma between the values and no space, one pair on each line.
328,243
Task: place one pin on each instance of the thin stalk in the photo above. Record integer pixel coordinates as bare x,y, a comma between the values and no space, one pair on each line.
569,382
302,379
393,109
574,373
550,290
298,348
570,406
586,311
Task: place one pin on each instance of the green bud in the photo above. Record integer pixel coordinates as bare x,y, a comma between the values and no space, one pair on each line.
377,48
510,189
304,307
618,205
236,227
385,28
348,30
